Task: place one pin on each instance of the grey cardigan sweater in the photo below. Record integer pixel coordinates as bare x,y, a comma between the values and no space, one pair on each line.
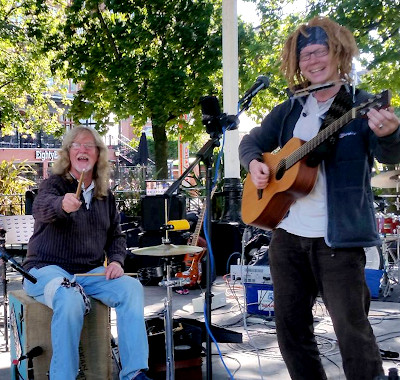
351,216
78,241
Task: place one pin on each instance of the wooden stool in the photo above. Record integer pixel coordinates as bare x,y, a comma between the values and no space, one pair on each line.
30,327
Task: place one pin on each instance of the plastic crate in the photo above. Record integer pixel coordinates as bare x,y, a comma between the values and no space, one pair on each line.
373,278
260,299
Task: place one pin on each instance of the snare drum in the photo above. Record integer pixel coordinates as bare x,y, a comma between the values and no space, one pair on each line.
387,224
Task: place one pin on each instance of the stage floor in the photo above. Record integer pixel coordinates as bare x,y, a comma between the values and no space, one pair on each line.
259,351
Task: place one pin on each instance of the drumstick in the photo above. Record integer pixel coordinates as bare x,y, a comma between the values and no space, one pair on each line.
78,190
100,274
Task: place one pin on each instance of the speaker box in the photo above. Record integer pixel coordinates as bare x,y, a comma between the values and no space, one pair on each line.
153,210
187,349
226,239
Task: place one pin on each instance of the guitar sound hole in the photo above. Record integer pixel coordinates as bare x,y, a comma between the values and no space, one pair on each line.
280,172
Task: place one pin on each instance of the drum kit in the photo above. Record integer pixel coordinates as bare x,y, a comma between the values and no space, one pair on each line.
167,251
389,229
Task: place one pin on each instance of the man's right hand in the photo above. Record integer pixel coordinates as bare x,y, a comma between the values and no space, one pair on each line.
70,203
259,174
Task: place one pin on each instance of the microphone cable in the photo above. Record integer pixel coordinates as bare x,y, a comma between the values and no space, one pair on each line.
211,256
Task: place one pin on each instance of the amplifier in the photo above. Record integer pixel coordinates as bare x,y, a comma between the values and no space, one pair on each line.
153,210
253,274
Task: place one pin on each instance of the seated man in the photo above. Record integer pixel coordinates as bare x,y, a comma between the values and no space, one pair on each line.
73,233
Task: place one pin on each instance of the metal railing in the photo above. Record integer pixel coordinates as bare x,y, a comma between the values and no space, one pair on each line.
12,204
127,201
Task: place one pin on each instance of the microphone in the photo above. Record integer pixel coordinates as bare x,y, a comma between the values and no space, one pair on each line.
16,266
213,119
261,83
176,225
211,115
35,351
316,87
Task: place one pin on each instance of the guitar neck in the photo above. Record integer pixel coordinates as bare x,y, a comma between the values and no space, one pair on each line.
196,233
381,100
322,136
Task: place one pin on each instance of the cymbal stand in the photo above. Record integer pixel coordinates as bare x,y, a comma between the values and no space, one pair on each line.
169,283
168,312
391,258
168,326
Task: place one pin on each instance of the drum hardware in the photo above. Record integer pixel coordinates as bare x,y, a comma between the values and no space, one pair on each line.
174,282
389,229
166,251
391,256
396,202
387,180
176,329
168,319
388,224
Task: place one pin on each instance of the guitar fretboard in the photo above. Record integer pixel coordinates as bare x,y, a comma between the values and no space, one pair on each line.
327,132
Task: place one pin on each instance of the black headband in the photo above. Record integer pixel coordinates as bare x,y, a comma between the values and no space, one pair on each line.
316,35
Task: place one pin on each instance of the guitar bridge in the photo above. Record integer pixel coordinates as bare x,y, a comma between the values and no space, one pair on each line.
260,193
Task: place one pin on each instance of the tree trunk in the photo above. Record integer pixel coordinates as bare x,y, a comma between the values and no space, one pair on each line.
160,150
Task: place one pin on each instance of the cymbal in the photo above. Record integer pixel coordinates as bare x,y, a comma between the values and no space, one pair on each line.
166,250
386,180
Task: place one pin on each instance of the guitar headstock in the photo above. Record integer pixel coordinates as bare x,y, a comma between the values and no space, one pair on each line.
378,102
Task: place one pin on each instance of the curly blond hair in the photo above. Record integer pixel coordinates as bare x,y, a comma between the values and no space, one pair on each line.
101,170
342,46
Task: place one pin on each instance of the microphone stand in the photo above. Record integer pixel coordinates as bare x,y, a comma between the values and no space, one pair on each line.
205,155
7,258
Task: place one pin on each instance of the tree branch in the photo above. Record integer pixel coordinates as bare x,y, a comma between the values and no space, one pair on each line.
108,34
6,83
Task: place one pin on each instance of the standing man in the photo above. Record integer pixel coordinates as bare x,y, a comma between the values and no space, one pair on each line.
74,234
318,246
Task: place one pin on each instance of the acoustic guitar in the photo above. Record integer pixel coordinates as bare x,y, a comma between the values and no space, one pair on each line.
290,177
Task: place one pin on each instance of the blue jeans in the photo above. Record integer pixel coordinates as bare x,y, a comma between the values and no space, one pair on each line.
125,294
302,268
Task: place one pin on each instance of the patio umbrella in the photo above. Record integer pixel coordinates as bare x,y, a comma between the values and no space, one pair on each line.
143,153
143,150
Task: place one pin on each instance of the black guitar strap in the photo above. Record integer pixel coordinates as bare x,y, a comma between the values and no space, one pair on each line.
342,103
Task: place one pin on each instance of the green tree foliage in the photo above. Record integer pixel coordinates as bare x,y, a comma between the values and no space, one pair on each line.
376,27
149,59
375,24
13,182
25,71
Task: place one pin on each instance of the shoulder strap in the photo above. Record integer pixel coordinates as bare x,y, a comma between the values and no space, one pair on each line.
341,104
